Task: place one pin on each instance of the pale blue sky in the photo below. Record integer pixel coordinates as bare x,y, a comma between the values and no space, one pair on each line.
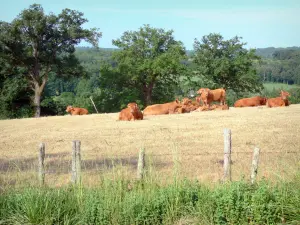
261,23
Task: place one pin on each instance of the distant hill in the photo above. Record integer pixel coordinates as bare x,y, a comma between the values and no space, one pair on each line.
268,52
263,52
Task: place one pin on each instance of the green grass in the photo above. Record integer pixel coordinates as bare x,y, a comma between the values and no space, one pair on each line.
122,202
279,86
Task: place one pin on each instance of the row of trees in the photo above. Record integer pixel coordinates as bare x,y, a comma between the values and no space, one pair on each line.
283,67
40,67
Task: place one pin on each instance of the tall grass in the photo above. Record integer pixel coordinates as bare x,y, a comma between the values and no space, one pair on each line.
121,202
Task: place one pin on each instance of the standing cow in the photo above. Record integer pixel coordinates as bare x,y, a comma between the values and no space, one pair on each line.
208,96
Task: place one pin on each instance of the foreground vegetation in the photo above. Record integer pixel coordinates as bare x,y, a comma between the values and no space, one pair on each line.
181,202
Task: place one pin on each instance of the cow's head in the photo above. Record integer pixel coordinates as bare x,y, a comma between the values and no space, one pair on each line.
177,102
200,91
284,94
263,101
133,107
186,101
69,108
205,92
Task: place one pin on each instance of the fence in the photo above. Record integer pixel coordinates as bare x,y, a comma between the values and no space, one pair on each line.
76,161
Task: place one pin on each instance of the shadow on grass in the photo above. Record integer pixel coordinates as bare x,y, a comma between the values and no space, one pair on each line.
56,163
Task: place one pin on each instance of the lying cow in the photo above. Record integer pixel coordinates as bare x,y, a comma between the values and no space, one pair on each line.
213,107
250,102
76,111
219,107
279,101
208,96
187,105
132,112
159,109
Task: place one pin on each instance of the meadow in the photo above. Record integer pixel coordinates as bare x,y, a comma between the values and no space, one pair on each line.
190,145
279,86
184,168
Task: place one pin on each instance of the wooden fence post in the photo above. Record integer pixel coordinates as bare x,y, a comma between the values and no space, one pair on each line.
76,162
141,164
94,104
41,167
254,167
227,155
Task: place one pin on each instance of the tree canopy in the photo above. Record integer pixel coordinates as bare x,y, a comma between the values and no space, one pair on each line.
226,63
35,45
148,57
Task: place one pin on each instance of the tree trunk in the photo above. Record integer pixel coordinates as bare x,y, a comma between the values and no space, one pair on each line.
37,101
38,90
148,94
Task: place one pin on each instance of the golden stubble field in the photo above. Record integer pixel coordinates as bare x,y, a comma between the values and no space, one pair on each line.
191,144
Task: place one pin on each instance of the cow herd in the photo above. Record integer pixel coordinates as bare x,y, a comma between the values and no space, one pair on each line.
203,102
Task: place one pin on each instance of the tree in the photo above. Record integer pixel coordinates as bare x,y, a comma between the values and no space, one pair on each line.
226,63
149,56
35,45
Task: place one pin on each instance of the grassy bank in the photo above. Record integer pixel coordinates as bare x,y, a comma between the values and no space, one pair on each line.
279,86
182,202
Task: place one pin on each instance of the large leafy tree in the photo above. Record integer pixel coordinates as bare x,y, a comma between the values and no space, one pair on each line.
226,63
35,44
147,57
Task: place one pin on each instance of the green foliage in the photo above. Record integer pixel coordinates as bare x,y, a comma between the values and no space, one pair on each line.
226,63
15,98
147,57
35,44
148,203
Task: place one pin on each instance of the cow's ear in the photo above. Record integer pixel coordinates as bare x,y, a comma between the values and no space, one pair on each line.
177,101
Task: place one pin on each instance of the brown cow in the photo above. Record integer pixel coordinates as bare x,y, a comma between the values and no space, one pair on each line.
159,109
202,108
213,107
132,112
219,107
199,100
188,105
76,111
208,96
250,102
279,101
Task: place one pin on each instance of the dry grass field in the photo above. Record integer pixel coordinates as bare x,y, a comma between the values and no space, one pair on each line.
190,144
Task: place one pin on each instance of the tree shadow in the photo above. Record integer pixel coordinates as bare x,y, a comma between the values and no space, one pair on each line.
55,163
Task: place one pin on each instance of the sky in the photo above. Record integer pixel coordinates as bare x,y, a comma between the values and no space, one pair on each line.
260,23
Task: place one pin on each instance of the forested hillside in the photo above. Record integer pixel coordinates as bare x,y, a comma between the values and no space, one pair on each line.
147,66
279,65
